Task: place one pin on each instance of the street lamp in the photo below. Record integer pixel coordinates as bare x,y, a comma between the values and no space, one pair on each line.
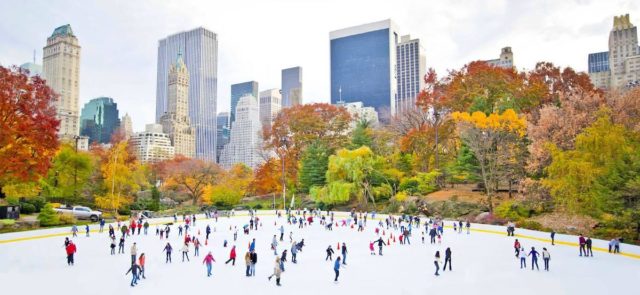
283,143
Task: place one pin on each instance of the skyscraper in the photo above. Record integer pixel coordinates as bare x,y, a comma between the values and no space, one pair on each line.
504,61
176,122
61,69
291,87
99,119
412,66
363,66
152,145
245,135
620,66
239,90
127,125
222,133
270,105
200,53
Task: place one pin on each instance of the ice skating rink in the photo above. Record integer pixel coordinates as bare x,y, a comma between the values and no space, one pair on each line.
34,262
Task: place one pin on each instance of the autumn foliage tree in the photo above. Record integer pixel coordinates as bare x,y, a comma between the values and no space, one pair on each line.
189,176
267,178
230,187
28,126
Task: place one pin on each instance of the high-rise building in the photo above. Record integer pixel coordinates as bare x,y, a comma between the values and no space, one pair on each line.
504,61
200,52
245,140
620,66
152,145
239,90
359,112
127,126
222,133
175,122
61,69
363,66
99,119
270,105
291,87
412,66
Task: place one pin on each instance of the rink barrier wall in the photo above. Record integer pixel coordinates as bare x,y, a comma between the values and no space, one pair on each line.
474,228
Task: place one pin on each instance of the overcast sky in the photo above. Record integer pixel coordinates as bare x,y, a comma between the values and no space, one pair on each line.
258,38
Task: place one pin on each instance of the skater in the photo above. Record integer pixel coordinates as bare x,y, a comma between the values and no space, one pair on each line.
208,231
534,258
344,253
254,261
380,243
447,259
468,227
281,232
146,228
371,249
168,249
113,246
612,243
102,222
329,253
588,243
121,245
247,260
460,226
179,230
294,252
134,269
252,246
66,242
86,229
277,271
71,250
141,261
274,245
74,230
185,252
583,242
546,257
134,253
196,247
208,260
232,256
436,261
523,258
553,238
336,268
516,245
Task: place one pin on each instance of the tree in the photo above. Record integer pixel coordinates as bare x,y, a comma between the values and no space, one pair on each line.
28,126
494,140
313,166
560,82
231,187
362,135
267,178
465,169
189,176
48,216
68,175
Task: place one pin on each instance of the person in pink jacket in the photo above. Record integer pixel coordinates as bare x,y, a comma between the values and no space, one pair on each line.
208,260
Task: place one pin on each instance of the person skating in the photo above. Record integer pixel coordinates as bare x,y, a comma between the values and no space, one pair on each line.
371,249
277,271
247,260
232,256
523,258
274,245
447,259
74,230
468,227
553,238
208,231
582,242
196,247
281,232
208,260
336,269
141,261
380,243
146,227
113,246
344,253
254,261
294,252
534,258
516,246
252,246
102,222
185,252
134,269
436,262
546,256
121,245
589,243
134,253
329,254
66,242
71,250
86,229
168,249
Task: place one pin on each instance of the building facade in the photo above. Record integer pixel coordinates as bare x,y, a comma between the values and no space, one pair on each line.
127,126
505,60
245,140
99,119
359,112
270,106
222,133
363,66
152,145
239,90
33,68
61,70
200,52
291,87
176,122
618,68
412,66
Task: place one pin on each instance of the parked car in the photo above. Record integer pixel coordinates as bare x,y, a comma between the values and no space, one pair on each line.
80,212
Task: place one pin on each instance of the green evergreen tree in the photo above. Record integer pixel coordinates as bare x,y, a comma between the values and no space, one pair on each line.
48,216
313,166
362,135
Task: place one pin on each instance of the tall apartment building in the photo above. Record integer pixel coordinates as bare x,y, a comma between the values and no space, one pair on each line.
504,61
239,90
99,119
127,126
291,87
245,139
619,67
61,70
412,66
200,52
270,105
359,112
152,145
176,122
222,133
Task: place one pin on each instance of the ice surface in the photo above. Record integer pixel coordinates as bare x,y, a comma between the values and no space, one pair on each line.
483,263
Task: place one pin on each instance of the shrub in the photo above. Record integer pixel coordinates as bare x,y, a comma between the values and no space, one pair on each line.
48,216
409,185
401,196
68,219
532,225
27,208
382,192
124,211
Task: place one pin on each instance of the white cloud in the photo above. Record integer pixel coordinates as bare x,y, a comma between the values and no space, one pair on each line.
258,38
